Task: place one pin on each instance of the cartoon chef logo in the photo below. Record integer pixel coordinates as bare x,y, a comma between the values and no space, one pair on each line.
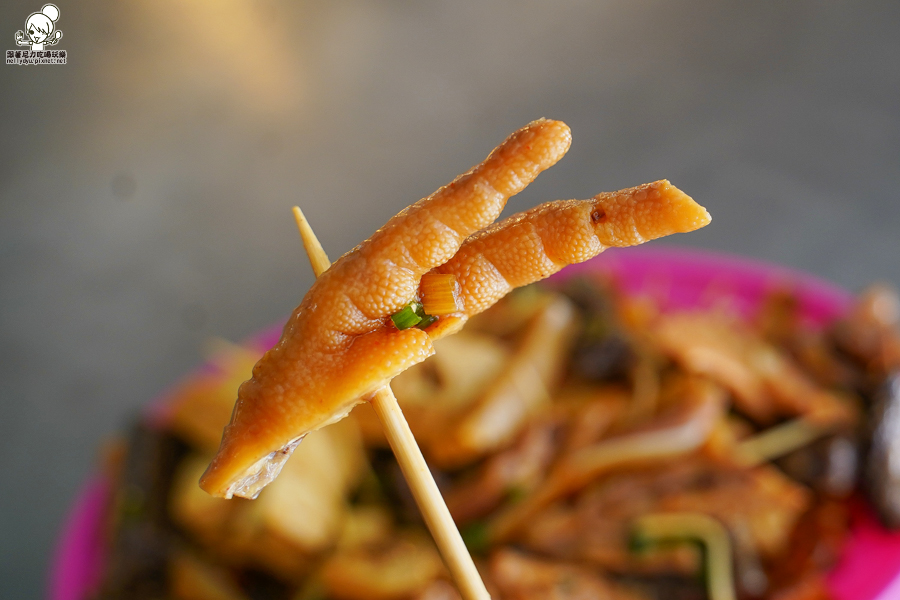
40,33
40,30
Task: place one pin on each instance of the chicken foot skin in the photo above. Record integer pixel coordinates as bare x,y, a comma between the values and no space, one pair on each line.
534,244
340,346
319,369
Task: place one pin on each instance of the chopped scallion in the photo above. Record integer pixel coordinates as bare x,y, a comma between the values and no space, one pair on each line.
412,315
426,321
707,530
426,318
440,293
406,317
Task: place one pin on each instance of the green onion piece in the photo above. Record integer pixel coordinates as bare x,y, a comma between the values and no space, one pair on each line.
475,536
516,494
426,319
778,440
406,317
692,526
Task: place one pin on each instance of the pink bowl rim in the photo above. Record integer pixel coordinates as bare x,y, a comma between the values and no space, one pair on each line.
870,568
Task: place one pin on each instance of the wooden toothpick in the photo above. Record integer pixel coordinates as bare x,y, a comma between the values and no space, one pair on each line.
412,463
317,257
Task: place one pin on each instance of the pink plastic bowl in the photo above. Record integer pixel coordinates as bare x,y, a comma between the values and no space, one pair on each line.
679,279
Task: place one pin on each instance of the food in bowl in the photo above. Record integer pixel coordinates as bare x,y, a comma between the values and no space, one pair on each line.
573,387
588,442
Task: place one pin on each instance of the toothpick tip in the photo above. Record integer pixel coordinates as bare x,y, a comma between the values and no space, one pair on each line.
317,257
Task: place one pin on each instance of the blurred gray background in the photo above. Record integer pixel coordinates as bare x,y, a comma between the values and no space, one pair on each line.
145,186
